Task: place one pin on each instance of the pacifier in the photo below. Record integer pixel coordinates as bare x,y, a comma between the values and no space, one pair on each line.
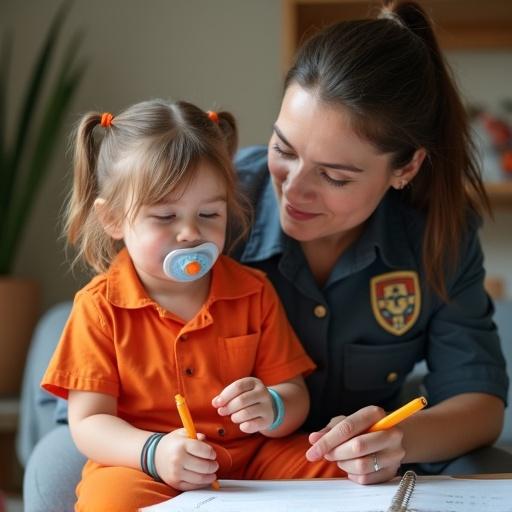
192,263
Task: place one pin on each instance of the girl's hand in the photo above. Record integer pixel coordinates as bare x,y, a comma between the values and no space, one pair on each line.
366,457
185,463
249,404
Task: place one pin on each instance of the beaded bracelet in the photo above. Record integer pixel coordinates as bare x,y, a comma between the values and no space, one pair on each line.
278,406
147,456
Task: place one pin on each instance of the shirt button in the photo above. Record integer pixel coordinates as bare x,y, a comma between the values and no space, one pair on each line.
189,371
320,311
392,377
183,337
221,431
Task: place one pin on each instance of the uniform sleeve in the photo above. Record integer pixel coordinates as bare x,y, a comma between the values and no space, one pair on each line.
280,354
464,353
85,357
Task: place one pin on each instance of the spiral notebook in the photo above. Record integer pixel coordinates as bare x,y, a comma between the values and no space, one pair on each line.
410,493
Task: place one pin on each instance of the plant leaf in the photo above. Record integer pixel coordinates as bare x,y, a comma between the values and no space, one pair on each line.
12,160
5,59
39,164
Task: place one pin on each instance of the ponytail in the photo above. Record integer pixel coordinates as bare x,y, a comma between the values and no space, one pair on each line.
449,186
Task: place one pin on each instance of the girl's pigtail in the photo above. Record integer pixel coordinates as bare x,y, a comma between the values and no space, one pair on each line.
85,184
227,125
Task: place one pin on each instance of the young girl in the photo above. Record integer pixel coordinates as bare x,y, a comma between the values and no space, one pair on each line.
167,315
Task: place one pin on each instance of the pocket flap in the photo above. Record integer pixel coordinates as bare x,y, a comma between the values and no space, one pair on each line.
380,366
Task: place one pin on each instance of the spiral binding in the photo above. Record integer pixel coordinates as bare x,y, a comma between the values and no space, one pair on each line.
403,494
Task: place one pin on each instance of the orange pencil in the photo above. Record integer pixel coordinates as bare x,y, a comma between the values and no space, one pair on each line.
188,424
399,415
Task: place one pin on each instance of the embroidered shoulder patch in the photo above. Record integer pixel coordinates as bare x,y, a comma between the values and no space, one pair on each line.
396,300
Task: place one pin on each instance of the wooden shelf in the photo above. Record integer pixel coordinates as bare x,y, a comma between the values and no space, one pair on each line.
500,194
459,24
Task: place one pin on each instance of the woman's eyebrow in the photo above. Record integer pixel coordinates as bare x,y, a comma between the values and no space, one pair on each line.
342,167
279,133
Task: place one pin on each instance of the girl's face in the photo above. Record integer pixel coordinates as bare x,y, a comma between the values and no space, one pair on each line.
189,216
327,179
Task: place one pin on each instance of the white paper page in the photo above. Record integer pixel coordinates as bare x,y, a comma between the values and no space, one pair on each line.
329,495
442,494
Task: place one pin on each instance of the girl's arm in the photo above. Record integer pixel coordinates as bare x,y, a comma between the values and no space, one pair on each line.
249,403
99,434
103,437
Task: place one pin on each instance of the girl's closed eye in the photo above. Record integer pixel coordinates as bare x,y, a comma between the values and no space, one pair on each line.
163,217
211,215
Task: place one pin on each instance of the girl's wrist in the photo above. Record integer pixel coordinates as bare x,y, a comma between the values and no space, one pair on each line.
278,408
147,456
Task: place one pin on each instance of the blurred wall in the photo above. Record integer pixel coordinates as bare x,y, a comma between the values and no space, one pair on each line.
215,53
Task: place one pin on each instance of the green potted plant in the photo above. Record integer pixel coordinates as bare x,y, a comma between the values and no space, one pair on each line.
25,159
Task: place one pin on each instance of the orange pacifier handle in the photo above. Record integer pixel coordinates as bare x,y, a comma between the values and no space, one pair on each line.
193,268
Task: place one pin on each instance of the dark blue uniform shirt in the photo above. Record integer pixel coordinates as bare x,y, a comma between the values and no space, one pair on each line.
374,318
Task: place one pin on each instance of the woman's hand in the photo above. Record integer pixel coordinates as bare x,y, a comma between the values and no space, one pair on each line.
185,463
249,404
366,457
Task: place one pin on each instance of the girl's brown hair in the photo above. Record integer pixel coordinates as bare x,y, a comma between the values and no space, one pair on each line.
148,150
390,74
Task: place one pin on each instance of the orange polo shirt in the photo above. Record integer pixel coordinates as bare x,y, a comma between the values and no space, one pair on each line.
119,341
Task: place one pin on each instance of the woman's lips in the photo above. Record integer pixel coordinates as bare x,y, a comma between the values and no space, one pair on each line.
296,214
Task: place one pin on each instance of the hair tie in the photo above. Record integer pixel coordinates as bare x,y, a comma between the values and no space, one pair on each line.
106,119
214,117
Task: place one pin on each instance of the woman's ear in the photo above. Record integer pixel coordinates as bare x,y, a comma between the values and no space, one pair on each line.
113,227
404,175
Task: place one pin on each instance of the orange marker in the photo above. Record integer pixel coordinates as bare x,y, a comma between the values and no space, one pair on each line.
395,417
188,424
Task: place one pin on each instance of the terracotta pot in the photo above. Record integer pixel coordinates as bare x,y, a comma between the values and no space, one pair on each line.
20,301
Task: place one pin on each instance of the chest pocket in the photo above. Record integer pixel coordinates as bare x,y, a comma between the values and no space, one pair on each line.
380,366
237,356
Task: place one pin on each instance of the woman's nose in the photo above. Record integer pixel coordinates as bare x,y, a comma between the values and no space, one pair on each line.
296,184
188,232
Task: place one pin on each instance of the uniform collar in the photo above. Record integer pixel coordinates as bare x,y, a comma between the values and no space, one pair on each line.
229,281
386,234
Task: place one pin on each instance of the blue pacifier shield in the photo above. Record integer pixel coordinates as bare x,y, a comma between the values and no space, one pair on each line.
192,263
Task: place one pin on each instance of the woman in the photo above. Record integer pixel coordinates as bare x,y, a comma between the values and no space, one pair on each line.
374,251
366,211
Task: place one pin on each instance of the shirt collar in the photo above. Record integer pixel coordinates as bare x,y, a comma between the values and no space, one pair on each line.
387,233
229,281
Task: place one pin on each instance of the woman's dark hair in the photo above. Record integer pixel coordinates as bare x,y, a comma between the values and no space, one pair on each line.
390,75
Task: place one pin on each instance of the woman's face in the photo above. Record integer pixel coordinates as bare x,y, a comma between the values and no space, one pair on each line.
327,179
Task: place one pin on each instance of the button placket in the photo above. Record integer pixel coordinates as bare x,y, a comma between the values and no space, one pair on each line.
391,377
320,311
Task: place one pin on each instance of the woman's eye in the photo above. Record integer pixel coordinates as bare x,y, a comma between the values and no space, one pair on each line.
332,181
282,153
